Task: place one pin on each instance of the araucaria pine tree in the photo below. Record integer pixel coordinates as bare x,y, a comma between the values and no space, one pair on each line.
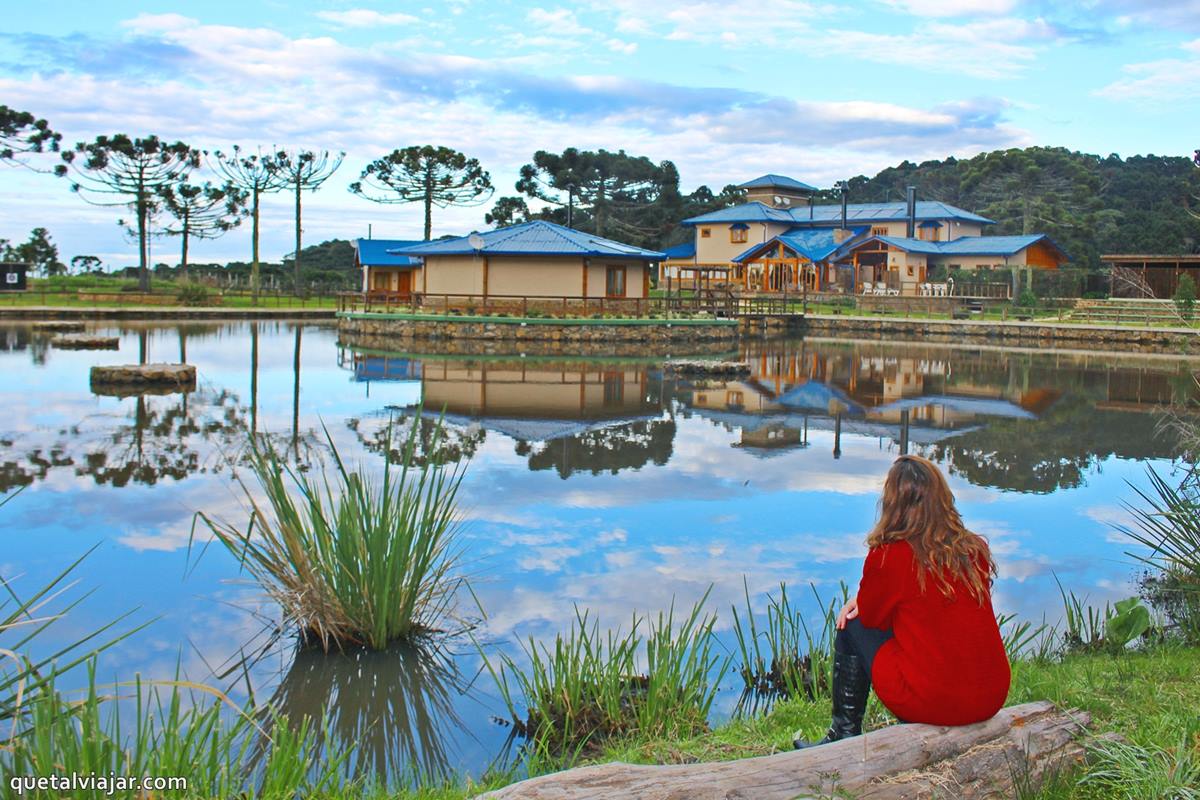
201,211
256,174
22,134
432,176
122,171
305,170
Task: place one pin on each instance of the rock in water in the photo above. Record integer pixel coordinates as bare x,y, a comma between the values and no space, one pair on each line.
83,341
143,378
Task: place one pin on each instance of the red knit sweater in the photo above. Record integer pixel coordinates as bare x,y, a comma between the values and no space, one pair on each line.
945,664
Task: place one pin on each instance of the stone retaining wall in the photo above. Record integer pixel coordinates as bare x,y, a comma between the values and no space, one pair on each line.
1026,333
533,349
400,327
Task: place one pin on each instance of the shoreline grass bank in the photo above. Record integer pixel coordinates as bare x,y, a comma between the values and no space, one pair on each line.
1149,697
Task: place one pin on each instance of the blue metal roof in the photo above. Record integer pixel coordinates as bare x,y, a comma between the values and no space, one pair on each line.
815,244
971,245
739,226
538,237
685,250
823,215
746,212
378,252
930,223
777,181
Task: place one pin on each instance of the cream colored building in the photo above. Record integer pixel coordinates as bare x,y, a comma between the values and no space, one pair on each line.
535,259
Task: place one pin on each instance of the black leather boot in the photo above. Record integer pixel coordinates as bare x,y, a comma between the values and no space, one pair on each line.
851,686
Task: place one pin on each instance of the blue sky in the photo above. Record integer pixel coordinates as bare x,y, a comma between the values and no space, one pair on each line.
728,90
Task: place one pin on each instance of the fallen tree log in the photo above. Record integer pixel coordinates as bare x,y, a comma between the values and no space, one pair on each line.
1015,748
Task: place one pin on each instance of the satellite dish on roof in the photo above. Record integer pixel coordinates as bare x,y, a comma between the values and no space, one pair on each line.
476,241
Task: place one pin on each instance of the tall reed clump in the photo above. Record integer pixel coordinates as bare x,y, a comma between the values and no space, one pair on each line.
165,731
1168,526
786,658
361,560
657,678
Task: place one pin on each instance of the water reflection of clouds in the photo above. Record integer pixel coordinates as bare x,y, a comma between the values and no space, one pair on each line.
704,511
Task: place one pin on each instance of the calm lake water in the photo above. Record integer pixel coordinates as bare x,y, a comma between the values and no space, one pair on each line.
613,483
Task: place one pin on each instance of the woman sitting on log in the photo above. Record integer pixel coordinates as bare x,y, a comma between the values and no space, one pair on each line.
921,629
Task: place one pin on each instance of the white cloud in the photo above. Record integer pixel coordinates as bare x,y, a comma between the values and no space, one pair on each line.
732,23
366,18
220,85
1166,80
952,8
1000,48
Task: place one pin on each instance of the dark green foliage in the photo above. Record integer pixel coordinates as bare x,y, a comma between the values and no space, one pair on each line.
21,134
1185,297
616,195
507,211
85,264
192,294
1090,205
39,252
629,446
428,174
1027,298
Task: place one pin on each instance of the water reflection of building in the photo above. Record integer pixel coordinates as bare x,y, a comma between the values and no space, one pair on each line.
565,415
915,398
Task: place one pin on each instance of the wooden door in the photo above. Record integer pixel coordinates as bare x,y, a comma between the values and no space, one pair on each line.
404,282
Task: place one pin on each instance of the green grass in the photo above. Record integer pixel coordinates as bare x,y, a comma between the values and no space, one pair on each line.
172,730
351,558
64,292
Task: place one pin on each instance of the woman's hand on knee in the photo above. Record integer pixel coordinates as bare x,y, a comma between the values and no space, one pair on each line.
848,612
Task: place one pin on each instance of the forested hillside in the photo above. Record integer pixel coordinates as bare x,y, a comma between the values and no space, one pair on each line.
1090,205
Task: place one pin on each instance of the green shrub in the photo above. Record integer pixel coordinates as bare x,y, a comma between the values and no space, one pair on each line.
1185,297
354,559
192,294
1027,299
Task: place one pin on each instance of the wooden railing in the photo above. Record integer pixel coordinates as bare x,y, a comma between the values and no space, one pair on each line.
718,302
982,291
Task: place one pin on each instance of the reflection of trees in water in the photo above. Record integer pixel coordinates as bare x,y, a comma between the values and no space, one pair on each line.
1055,451
164,437
457,442
394,708
627,446
169,436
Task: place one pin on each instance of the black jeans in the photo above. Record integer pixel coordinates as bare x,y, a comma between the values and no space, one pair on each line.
860,640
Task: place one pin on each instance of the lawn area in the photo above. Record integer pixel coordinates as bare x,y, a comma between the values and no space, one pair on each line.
120,293
1150,697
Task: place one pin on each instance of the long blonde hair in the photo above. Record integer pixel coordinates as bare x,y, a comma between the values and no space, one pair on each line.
918,507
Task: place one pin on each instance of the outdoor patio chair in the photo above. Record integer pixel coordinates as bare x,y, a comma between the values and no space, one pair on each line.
868,288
